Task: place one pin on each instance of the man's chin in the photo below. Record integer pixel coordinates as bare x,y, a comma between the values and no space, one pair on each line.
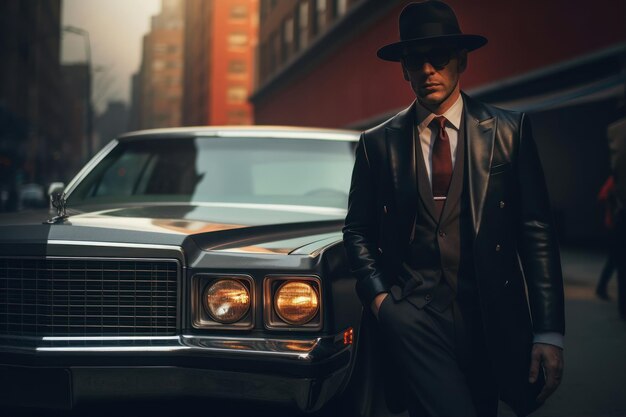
430,100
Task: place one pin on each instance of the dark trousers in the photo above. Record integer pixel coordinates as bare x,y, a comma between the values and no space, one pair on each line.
442,359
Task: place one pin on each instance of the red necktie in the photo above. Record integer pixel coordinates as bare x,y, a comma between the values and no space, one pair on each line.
442,164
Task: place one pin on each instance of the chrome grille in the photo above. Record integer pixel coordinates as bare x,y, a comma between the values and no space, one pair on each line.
87,297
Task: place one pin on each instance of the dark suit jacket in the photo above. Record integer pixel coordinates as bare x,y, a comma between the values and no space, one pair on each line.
515,245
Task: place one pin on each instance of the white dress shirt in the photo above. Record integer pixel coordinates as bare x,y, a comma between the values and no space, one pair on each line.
427,134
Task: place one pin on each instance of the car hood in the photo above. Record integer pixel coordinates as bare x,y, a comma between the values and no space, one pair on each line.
234,227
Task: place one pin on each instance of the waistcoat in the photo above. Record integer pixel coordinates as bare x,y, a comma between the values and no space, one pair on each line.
438,264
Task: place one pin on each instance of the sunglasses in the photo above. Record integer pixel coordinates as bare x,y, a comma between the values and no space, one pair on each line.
438,58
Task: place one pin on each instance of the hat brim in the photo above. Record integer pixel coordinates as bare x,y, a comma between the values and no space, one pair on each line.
395,51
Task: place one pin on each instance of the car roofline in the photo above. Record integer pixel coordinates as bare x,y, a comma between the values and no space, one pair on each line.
252,132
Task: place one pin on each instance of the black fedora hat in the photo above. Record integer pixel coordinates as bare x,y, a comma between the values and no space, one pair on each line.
429,22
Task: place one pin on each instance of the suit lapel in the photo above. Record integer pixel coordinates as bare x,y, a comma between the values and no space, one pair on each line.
399,141
480,128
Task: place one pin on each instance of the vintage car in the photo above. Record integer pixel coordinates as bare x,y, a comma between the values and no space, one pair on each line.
200,263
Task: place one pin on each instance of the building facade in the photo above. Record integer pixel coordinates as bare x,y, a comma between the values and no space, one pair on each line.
220,43
160,89
563,61
34,126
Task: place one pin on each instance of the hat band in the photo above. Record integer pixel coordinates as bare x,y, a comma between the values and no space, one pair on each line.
428,30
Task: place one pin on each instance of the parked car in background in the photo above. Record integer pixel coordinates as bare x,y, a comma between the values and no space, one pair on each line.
200,263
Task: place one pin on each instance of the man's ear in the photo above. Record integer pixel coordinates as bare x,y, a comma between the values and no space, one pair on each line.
405,73
462,60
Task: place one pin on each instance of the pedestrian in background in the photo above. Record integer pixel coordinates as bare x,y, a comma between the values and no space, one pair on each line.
616,133
608,200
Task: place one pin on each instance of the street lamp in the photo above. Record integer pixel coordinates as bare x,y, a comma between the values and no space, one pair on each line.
82,32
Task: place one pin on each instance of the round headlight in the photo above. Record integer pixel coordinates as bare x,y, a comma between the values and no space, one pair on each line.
227,300
296,302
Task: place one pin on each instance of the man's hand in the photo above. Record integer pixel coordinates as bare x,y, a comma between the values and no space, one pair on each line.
376,302
551,358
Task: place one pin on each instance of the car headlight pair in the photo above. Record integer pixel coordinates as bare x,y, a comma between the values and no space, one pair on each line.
228,301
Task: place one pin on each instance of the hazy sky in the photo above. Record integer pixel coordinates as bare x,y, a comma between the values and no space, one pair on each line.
116,29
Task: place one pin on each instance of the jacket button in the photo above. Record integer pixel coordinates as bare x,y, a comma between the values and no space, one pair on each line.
498,248
502,204
428,297
442,233
506,283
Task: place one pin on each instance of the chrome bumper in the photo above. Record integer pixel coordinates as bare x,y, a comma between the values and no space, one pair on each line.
305,373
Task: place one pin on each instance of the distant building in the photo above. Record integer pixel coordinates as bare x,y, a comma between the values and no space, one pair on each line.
160,79
77,79
220,43
32,112
111,123
564,61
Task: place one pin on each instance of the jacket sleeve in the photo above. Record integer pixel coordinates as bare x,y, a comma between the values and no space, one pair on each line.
360,232
537,242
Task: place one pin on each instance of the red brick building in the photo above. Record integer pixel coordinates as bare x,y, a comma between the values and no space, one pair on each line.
220,41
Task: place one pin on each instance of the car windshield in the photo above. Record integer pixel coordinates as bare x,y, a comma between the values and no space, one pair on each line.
310,172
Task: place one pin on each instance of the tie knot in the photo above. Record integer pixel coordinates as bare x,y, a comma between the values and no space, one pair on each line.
441,121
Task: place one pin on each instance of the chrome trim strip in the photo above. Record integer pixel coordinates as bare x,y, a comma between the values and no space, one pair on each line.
113,349
115,244
104,338
252,132
307,350
287,135
89,166
282,207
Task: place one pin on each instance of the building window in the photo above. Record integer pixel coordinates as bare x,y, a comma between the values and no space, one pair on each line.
287,46
158,64
237,40
159,47
238,117
236,67
274,53
303,25
340,7
319,17
239,11
237,95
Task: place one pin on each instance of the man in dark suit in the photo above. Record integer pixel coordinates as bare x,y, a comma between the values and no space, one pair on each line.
448,221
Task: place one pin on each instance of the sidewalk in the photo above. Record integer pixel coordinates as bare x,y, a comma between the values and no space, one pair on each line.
594,382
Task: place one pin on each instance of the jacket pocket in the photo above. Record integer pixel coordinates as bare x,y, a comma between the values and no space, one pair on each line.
499,168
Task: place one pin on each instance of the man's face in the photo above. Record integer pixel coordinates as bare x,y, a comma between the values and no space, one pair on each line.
434,75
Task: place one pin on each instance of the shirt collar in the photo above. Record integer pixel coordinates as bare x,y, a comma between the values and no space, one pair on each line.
453,115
